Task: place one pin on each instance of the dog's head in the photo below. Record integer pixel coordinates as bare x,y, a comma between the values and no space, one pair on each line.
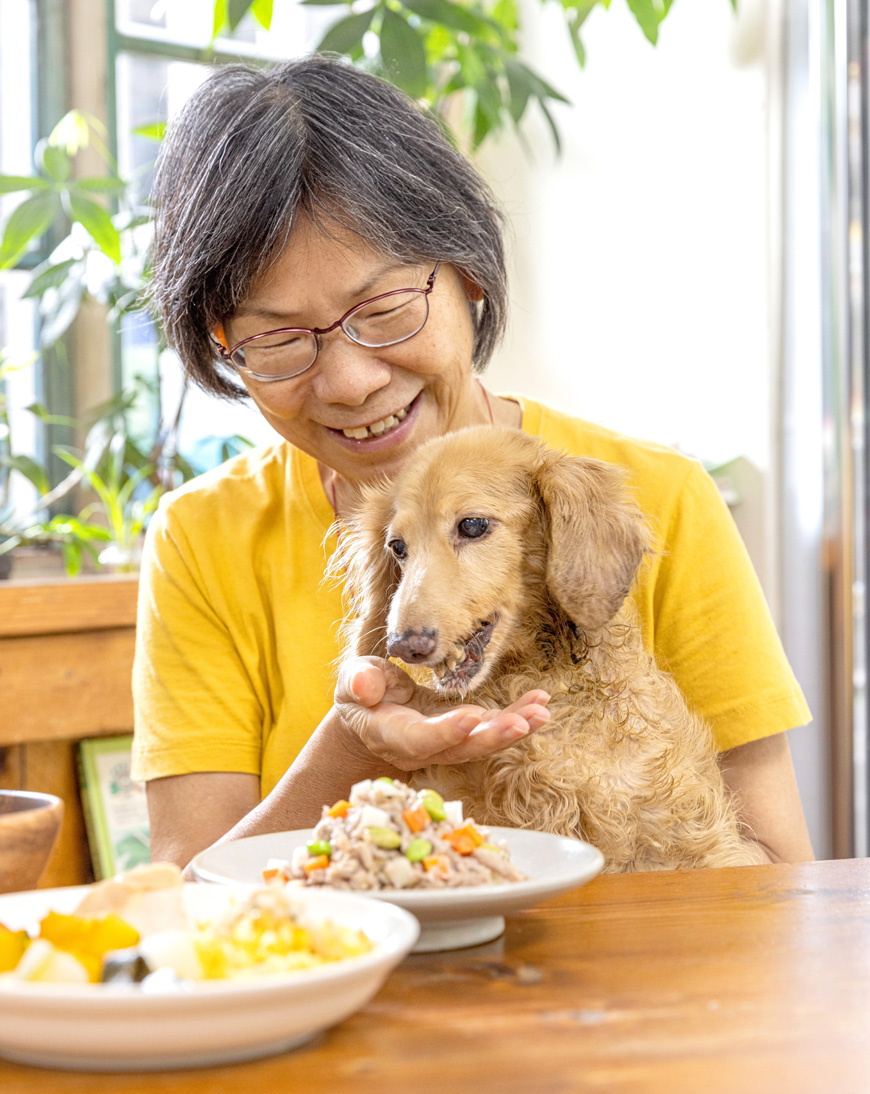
444,563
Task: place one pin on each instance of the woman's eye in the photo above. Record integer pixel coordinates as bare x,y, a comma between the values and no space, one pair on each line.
472,527
398,547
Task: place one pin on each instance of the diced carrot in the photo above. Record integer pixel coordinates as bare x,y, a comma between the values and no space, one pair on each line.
464,841
317,862
416,819
436,862
271,873
339,809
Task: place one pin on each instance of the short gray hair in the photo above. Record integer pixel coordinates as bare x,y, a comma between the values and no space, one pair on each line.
253,148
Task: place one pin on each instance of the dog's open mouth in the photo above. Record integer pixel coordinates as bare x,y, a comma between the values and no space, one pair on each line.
463,662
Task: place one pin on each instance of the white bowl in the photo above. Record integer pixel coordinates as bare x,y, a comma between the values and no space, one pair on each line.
121,1027
450,918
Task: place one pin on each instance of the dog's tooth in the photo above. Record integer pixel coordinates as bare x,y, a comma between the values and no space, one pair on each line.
451,662
458,652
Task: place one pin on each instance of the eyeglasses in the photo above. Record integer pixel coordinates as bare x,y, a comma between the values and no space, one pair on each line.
383,320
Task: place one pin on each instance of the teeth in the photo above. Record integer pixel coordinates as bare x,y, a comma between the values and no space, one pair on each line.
376,429
453,658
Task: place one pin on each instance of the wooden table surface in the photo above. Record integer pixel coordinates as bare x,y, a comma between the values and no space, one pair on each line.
744,980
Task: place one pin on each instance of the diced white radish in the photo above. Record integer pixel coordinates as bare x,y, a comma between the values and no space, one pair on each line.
400,872
359,791
384,791
453,813
372,817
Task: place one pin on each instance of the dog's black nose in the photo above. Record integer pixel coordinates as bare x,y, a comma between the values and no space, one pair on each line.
412,646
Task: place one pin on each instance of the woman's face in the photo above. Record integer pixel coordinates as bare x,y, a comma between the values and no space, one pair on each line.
317,279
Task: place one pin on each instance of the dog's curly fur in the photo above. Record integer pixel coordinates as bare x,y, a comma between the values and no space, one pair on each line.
538,600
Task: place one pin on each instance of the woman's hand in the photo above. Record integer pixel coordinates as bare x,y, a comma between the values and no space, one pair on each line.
409,726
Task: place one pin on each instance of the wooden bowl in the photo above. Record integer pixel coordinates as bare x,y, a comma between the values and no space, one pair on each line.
29,824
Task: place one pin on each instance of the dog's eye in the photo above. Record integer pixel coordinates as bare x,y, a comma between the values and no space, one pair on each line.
472,527
398,547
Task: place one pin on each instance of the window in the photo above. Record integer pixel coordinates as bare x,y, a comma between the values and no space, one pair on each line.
161,53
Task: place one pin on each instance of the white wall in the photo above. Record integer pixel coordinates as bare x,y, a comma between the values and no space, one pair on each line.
640,290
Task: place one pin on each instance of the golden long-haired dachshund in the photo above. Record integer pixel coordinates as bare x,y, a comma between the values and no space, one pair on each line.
502,566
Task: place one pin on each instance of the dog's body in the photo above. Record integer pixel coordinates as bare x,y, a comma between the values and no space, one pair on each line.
504,567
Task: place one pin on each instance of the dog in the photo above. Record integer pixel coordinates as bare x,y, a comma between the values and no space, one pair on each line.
499,566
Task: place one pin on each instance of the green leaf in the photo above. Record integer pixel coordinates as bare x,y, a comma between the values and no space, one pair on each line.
321,3
519,88
403,54
99,185
98,224
73,131
9,184
27,221
220,18
649,14
452,15
54,161
262,12
346,34
29,468
541,88
236,11
154,131
72,557
574,25
48,275
38,410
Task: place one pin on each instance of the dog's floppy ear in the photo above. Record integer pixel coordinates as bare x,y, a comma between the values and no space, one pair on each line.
597,537
369,572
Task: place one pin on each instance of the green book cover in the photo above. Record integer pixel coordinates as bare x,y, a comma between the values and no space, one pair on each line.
115,807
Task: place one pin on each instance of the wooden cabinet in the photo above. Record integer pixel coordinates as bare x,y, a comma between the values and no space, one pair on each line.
66,658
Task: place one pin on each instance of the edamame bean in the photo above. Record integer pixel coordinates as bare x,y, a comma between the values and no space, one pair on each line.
385,838
433,803
418,849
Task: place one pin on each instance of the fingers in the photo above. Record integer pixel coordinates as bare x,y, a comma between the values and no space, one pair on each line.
379,702
369,680
490,731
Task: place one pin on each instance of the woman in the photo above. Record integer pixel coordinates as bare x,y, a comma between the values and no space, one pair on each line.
319,240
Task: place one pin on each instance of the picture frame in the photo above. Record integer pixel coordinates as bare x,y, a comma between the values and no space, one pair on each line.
114,806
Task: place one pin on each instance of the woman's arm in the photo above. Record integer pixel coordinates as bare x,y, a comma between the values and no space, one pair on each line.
381,724
761,776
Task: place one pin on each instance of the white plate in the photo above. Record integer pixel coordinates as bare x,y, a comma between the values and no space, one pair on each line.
450,918
115,1027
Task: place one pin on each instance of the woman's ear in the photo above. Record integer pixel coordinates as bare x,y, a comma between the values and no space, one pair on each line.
472,290
597,535
369,571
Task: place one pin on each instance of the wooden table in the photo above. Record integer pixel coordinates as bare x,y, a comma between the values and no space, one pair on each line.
744,980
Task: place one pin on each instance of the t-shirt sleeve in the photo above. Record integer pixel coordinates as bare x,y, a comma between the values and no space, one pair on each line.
712,627
196,706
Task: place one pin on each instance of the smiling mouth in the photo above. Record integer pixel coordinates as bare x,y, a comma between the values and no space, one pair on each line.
465,659
379,428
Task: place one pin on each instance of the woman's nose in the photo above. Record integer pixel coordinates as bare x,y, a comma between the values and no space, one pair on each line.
347,373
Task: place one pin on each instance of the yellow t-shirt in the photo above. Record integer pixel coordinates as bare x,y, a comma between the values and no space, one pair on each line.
237,633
